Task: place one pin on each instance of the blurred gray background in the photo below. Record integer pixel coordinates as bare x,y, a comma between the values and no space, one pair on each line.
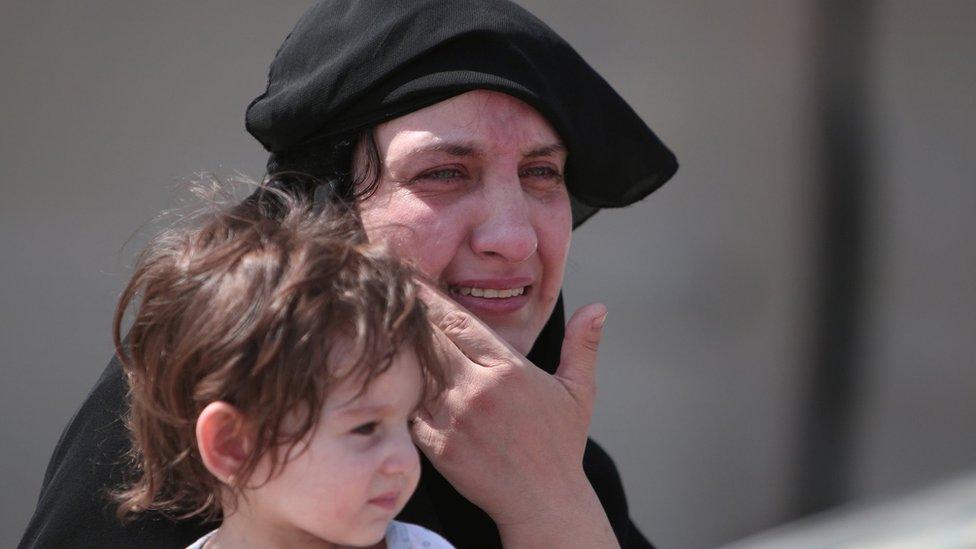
771,349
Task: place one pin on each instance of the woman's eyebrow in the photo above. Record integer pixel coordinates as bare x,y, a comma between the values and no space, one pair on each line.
451,148
546,150
465,149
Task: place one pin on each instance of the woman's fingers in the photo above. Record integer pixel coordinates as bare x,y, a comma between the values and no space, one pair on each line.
458,370
433,422
428,438
449,355
577,361
476,340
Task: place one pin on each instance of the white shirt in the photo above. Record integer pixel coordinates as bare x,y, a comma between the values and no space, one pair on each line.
399,535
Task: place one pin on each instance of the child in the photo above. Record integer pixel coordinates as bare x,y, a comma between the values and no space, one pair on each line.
274,362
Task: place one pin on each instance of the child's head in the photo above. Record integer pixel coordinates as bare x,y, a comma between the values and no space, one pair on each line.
274,361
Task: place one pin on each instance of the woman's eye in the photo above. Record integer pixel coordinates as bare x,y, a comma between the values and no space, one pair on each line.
442,174
541,171
366,429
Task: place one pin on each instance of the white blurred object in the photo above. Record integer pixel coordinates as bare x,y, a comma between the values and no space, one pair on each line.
941,516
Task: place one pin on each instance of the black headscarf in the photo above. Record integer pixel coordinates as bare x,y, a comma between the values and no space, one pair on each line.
347,66
353,64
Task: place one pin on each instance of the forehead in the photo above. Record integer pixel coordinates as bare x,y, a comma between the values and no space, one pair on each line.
399,385
487,119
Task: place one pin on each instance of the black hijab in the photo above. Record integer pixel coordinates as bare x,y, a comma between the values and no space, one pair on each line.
348,65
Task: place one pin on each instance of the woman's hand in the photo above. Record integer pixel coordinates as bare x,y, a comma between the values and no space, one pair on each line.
509,436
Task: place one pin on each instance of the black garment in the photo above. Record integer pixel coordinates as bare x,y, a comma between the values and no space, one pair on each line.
72,510
352,64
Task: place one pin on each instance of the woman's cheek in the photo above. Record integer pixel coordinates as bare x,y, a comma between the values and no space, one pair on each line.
435,243
387,220
427,235
555,226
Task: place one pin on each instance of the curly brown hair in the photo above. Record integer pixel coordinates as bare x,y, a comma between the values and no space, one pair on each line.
245,306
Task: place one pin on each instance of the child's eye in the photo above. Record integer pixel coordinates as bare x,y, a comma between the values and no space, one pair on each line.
366,429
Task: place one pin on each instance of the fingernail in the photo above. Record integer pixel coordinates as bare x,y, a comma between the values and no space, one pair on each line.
599,321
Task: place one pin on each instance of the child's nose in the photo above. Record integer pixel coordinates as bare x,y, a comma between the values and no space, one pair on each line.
402,457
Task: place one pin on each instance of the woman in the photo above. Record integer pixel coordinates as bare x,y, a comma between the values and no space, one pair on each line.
472,139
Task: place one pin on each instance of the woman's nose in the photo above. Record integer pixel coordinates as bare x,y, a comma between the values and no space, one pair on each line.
505,230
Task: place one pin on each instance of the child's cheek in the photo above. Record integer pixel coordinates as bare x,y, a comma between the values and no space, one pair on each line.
338,513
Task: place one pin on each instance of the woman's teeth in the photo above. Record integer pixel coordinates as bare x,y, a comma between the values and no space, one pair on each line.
489,293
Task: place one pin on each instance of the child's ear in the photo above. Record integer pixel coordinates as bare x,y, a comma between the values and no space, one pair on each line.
222,440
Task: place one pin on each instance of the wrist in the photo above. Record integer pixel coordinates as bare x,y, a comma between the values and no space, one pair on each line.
572,518
544,500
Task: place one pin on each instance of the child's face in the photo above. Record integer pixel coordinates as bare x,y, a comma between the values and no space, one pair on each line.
358,470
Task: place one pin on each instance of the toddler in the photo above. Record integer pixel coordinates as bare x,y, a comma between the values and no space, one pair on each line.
274,362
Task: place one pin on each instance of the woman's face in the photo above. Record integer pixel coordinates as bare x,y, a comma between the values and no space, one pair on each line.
471,190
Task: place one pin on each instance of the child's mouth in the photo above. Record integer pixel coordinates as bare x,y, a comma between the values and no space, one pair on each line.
386,501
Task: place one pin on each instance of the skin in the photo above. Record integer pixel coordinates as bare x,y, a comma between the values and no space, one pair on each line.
471,192
342,486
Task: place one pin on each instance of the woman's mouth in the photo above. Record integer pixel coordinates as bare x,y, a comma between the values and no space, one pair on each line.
492,297
488,293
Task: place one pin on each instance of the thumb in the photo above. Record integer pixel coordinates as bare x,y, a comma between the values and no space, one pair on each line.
577,360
